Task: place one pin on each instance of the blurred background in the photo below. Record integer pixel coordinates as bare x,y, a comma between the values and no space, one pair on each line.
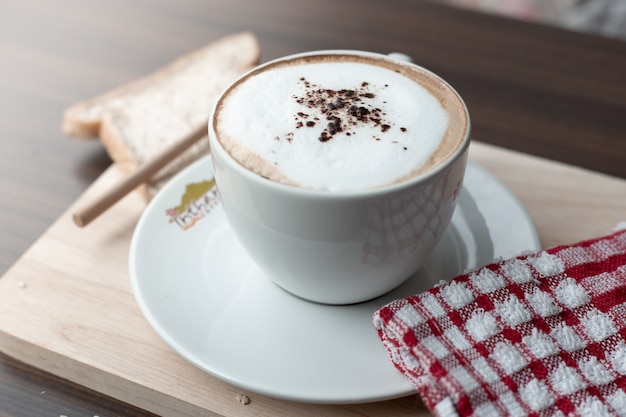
602,17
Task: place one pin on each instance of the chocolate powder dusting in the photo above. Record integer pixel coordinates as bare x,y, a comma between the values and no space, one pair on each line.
343,109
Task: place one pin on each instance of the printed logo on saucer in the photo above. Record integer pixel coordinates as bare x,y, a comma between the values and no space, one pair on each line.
197,201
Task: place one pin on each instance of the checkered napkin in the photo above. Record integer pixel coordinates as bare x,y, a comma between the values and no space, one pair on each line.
540,334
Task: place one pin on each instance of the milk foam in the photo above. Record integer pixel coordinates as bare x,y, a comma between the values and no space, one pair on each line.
282,123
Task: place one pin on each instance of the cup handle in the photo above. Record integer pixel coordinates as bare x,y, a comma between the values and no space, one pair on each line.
400,56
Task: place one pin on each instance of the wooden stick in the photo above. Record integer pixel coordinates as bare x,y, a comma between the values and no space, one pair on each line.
85,215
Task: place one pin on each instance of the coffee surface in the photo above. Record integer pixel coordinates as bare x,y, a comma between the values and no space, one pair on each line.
339,123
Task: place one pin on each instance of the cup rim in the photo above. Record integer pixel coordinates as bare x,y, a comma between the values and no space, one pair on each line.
216,146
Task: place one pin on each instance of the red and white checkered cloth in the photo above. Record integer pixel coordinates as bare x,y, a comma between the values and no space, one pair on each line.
540,334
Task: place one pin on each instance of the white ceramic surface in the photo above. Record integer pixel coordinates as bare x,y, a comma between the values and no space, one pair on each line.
342,246
205,297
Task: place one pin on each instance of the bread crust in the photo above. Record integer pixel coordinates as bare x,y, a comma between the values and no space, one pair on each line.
138,120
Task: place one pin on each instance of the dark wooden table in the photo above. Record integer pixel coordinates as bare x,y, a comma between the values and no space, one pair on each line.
533,88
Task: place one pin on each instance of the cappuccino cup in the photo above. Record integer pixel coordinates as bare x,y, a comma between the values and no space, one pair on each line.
339,170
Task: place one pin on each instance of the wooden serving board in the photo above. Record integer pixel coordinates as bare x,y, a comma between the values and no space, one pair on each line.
66,306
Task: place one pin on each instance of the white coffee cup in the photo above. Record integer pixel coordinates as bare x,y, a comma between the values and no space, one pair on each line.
341,247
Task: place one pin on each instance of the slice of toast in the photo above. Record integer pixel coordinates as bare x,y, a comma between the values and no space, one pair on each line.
138,120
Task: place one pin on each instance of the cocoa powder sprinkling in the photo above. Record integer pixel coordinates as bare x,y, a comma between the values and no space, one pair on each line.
343,109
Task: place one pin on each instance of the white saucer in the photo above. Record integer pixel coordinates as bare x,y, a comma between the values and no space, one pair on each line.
204,296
